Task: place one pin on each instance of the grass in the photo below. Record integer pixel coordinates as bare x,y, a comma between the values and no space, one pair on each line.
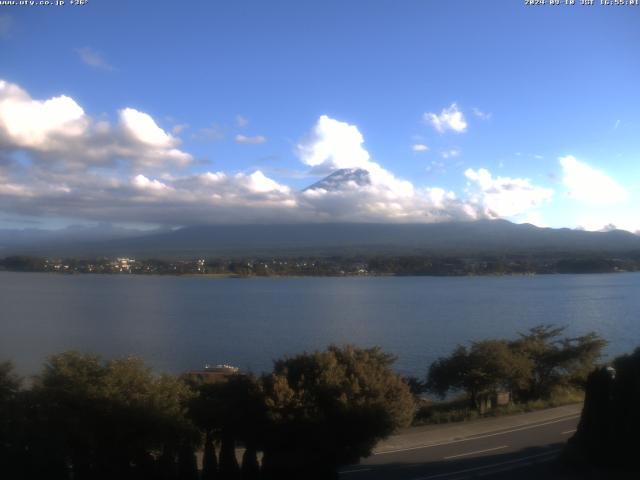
458,409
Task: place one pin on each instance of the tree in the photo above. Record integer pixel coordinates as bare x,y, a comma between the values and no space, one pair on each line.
232,411
9,382
104,418
530,367
416,386
482,370
187,465
610,421
209,460
11,424
556,361
330,408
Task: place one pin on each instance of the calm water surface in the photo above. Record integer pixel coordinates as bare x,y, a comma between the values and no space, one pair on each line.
179,323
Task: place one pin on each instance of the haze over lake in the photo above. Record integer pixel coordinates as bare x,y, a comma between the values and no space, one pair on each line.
179,323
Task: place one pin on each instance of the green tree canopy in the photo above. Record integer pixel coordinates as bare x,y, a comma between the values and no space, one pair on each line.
529,367
483,369
106,416
555,360
329,408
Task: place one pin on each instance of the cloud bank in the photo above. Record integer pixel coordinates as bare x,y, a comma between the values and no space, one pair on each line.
57,131
504,197
58,161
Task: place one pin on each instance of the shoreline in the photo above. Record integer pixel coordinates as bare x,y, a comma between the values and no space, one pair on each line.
220,276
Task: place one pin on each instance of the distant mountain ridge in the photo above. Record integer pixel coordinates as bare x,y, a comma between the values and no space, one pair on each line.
451,238
15,238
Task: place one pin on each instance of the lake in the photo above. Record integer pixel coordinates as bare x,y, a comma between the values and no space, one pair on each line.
179,323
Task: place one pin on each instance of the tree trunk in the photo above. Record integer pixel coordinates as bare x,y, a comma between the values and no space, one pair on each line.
167,466
250,465
187,464
209,460
229,468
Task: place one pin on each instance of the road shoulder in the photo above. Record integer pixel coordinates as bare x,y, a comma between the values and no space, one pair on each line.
416,437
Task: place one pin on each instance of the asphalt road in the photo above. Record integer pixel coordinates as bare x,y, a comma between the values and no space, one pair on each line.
490,454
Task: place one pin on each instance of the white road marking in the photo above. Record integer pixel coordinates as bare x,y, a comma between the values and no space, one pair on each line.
477,451
518,465
450,442
492,465
567,432
354,471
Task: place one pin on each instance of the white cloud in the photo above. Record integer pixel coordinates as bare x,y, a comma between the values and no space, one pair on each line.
38,124
58,132
247,140
535,218
241,121
450,118
125,171
481,115
589,185
504,197
451,153
93,59
439,197
140,126
607,221
419,147
144,183
218,197
258,182
334,145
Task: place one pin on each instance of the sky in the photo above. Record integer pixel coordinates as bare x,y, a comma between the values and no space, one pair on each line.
183,113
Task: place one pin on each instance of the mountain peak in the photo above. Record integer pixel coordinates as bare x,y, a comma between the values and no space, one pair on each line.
342,178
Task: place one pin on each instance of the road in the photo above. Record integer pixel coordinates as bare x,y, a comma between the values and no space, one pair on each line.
485,448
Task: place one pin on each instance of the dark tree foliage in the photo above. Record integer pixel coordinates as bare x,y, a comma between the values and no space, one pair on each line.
349,263
10,421
530,367
416,386
330,408
93,419
250,466
167,466
556,361
22,263
608,429
209,460
232,411
482,370
229,467
187,466
85,419
9,383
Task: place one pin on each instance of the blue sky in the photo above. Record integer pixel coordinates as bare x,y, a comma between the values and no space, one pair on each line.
458,110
